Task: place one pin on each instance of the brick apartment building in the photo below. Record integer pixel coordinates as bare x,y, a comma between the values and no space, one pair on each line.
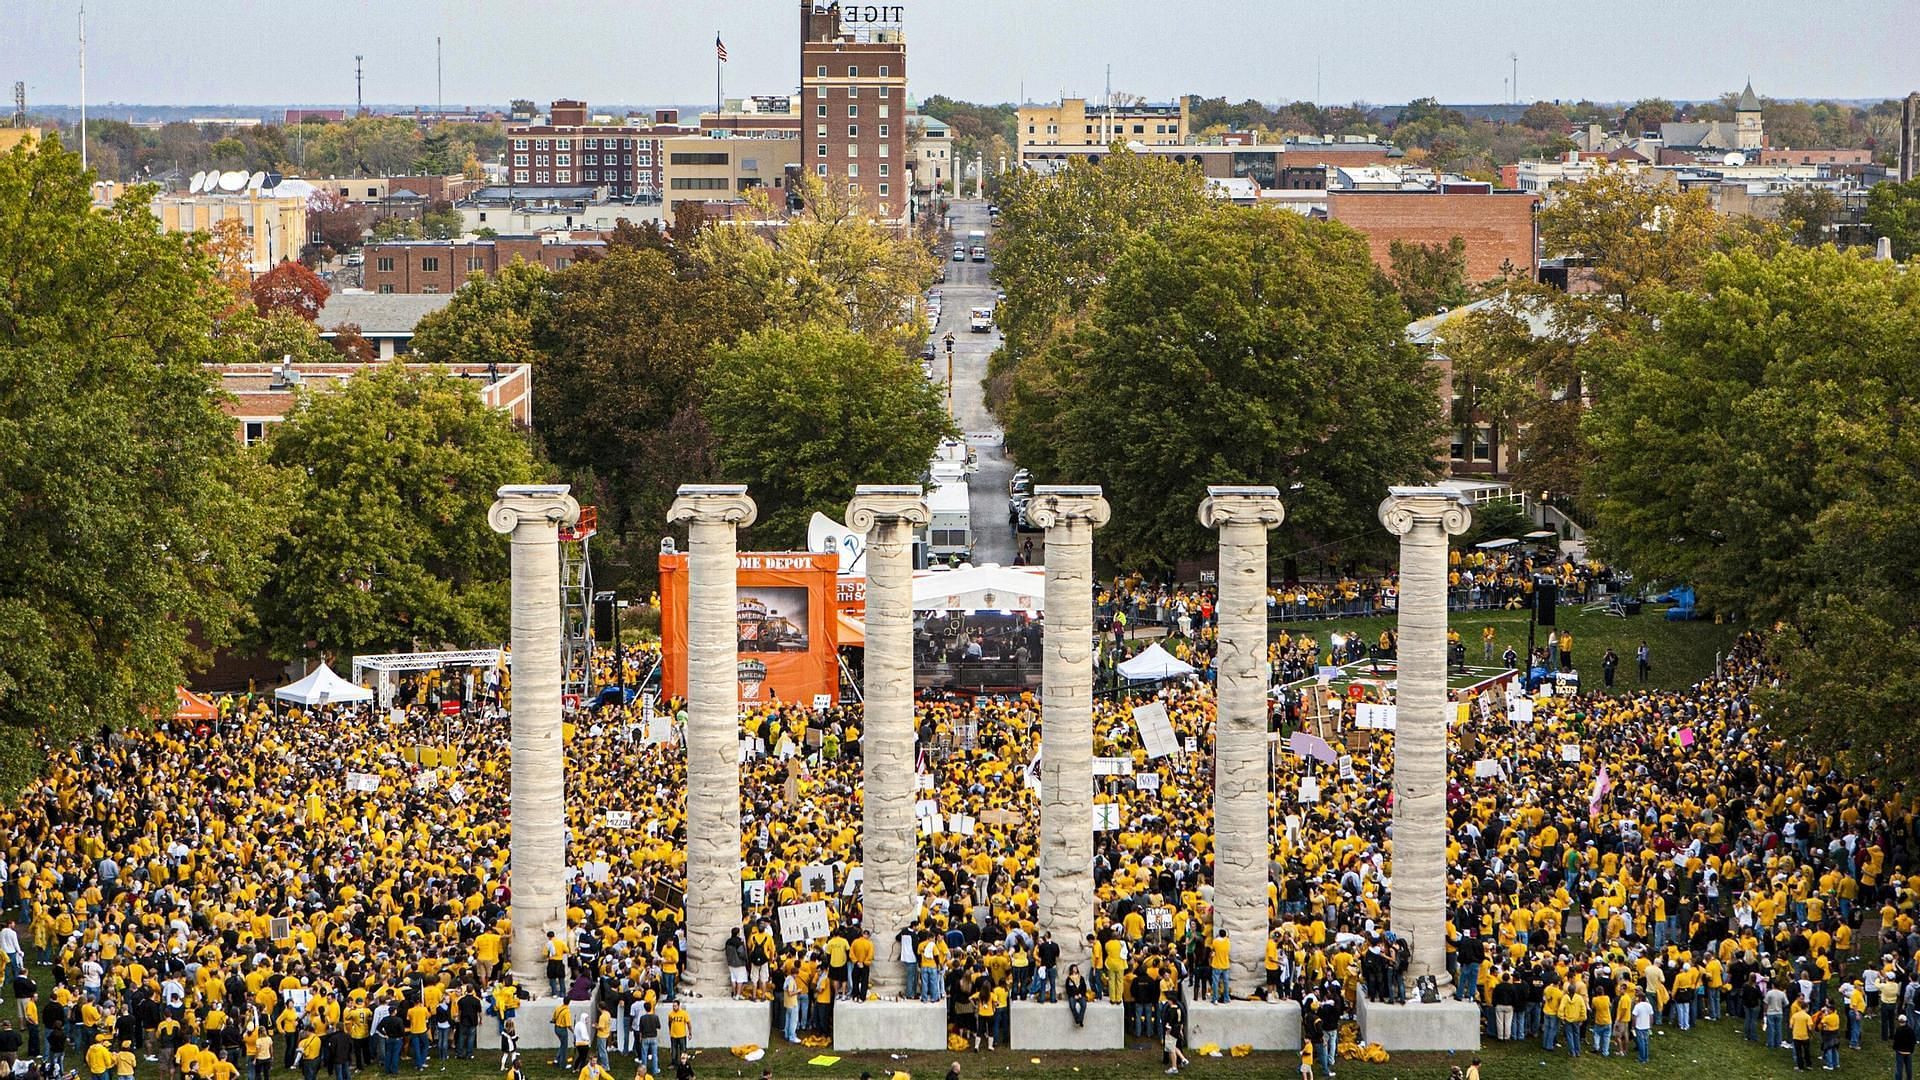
567,151
1498,226
853,112
442,266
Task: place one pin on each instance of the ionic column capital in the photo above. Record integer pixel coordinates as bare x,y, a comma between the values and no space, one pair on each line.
1054,505
874,504
713,504
517,504
1404,508
1229,504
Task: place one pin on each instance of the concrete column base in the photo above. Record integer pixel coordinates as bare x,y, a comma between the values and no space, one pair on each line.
1046,1026
889,1025
1443,1025
723,1022
1263,1025
533,1020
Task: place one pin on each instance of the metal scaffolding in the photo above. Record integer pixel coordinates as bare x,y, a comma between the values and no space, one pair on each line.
576,607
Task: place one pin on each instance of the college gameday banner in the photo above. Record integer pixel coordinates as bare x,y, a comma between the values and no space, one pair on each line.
788,629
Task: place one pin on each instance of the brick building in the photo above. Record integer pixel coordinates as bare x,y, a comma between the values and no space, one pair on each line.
853,112
1497,226
259,396
441,266
567,151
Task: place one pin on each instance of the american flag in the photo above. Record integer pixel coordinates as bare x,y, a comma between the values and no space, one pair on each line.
720,48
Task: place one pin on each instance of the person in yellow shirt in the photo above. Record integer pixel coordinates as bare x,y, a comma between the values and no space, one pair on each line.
99,1057
1573,1018
1220,960
595,1070
679,1029
859,965
1800,1026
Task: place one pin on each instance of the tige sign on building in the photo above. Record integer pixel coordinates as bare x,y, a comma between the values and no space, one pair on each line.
872,15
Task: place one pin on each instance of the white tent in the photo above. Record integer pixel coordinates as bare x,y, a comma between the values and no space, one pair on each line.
323,687
991,587
1155,663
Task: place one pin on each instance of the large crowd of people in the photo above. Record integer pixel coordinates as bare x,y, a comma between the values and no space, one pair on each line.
327,890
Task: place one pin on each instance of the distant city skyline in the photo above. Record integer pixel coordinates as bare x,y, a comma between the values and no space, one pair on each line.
235,52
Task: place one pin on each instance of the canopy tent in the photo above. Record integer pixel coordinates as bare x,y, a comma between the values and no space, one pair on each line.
323,687
1153,664
1543,534
188,705
1495,545
853,630
991,587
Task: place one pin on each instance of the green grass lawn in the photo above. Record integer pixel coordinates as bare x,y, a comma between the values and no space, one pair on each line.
1682,652
1714,1051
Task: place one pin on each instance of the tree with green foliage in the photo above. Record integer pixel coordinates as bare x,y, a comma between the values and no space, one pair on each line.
1893,211
387,546
1060,232
831,265
802,417
495,318
1758,446
442,222
1236,346
436,155
133,526
395,227
619,362
1429,277
1810,214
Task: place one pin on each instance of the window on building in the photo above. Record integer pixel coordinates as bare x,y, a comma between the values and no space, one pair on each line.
853,91
520,175
591,159
386,288
697,159
853,110
820,109
1482,444
853,72
564,176
885,91
563,159
541,176
885,111
821,169
853,169
519,159
1139,129
886,150
476,263
820,72
820,132
701,183
853,189
253,431
542,144
883,190
822,152
384,264
885,71
562,262
853,131
884,129
543,159
594,174
429,263
519,144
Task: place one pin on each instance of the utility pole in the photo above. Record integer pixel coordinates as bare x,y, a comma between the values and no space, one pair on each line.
1515,57
359,99
439,87
83,86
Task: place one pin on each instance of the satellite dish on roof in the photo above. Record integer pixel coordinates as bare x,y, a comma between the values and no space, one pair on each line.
198,182
273,179
233,181
255,181
1734,157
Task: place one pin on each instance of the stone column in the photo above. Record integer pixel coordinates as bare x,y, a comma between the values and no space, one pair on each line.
1242,819
532,515
1423,518
714,513
1069,514
889,845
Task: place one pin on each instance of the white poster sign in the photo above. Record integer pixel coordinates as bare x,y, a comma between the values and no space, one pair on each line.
1309,789
854,877
361,781
1521,712
619,819
822,702
817,878
1107,817
1147,781
1486,769
1112,766
1156,730
804,922
1346,766
1376,717
1159,918
960,823
1193,745
457,794
755,891
923,781
1570,752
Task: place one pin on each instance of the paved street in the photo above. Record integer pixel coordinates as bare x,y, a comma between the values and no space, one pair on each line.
967,286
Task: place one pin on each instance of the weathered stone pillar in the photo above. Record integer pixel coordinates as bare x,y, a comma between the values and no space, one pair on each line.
714,513
1069,514
532,515
1423,518
1242,830
890,846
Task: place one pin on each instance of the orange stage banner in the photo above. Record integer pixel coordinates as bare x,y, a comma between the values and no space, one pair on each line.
788,626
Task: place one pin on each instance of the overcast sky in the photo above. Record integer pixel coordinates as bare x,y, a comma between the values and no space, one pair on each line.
657,52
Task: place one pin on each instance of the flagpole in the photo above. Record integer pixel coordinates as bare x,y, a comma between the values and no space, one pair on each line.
719,91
